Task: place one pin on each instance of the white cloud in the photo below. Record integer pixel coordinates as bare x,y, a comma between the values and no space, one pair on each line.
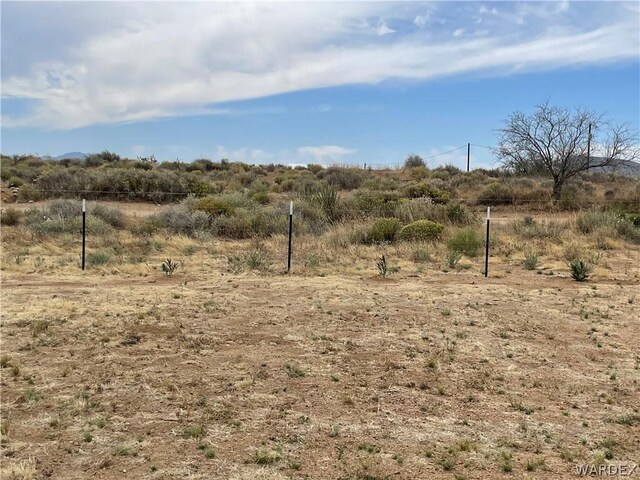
325,153
383,28
458,32
129,62
421,20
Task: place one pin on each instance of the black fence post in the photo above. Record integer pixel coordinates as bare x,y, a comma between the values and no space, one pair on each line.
84,228
468,155
290,235
486,254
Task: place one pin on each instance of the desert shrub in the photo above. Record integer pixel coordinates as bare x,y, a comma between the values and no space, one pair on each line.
265,222
420,209
261,197
64,208
15,181
420,190
466,241
421,253
530,260
214,206
580,269
236,227
315,168
169,267
634,219
382,230
530,228
42,224
312,216
181,220
344,178
98,258
419,173
379,183
421,230
495,194
628,230
28,193
413,161
374,204
10,216
322,196
112,216
452,257
589,222
383,267
458,214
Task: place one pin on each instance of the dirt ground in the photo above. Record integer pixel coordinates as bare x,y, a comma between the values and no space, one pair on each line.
209,375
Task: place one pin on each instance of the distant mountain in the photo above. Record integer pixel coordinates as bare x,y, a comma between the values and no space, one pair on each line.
67,155
626,168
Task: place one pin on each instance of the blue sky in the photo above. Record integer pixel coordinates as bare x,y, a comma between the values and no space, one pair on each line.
299,83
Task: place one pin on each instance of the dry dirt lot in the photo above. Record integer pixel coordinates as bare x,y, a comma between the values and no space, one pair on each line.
417,376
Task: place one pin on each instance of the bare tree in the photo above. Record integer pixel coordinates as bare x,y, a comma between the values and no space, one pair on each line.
562,143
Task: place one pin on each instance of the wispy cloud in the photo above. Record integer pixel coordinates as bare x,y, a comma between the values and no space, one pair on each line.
128,62
325,153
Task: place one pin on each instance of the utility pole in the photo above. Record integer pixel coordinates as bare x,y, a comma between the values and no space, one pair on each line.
468,155
589,146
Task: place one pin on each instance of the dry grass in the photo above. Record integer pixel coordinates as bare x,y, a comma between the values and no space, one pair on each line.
330,373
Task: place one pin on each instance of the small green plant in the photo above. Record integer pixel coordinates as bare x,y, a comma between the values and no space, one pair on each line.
10,216
421,254
452,257
125,450
369,447
294,371
169,267
530,260
466,241
86,436
507,462
266,456
98,258
580,270
193,431
383,268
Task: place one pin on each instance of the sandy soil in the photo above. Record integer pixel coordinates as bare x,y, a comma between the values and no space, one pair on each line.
213,375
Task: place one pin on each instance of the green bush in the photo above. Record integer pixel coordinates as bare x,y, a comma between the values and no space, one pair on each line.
382,230
10,216
580,269
15,181
589,222
634,218
261,197
466,241
373,204
344,178
421,190
421,230
214,206
496,194
28,193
